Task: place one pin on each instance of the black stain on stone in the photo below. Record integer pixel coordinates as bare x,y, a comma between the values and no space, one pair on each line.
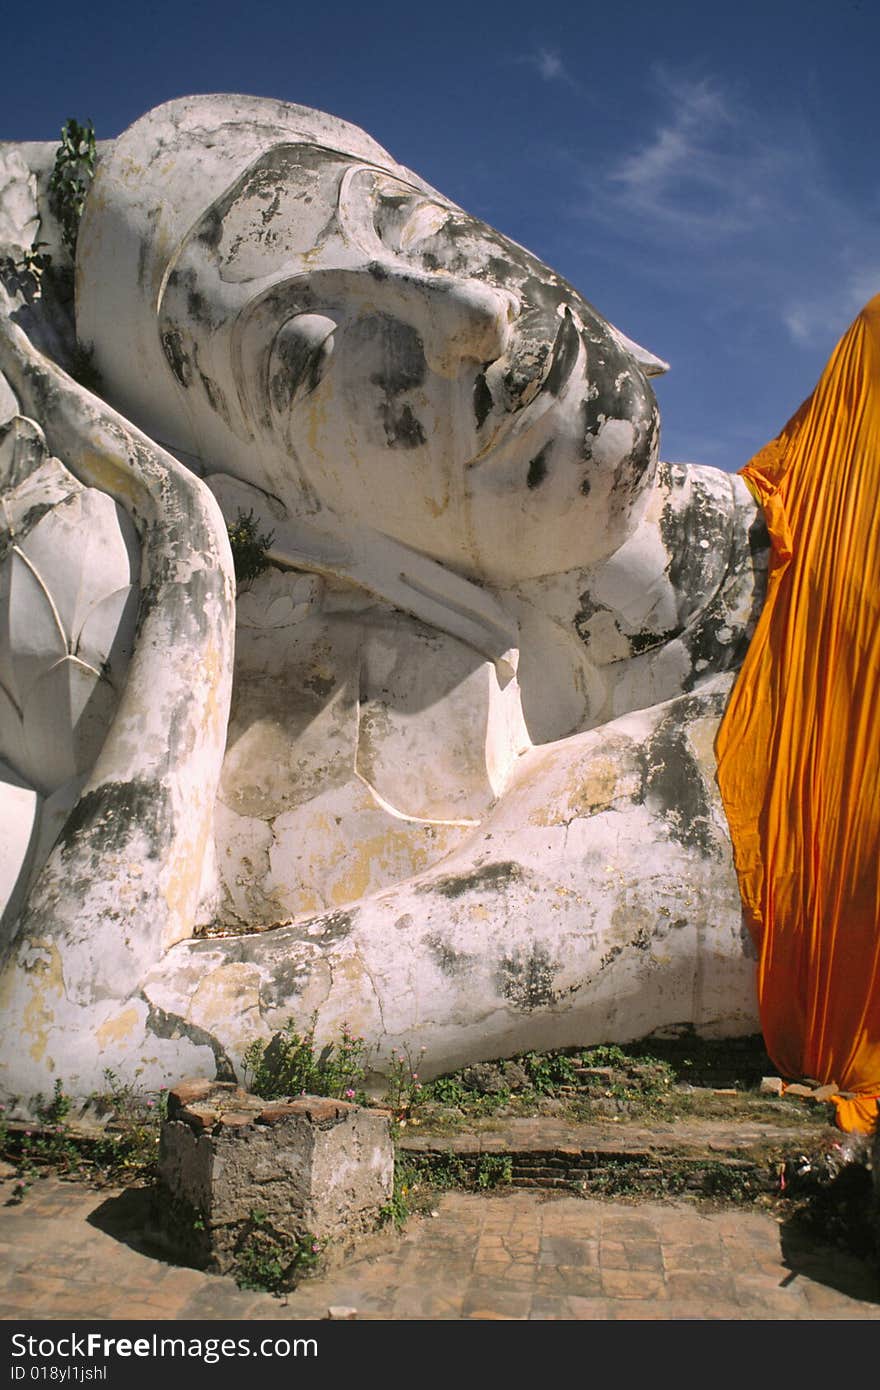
210,230
526,980
31,518
403,368
402,429
500,269
216,398
610,956
587,609
707,556
695,533
114,813
335,926
403,354
585,487
673,783
449,961
491,877
619,391
527,361
288,981
297,368
172,1027
538,468
648,641
482,400
320,686
178,360
750,950
198,307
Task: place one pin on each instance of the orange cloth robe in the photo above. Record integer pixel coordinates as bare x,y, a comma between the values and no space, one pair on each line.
799,746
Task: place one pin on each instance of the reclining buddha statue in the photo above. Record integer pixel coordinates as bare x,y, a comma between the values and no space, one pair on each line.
442,768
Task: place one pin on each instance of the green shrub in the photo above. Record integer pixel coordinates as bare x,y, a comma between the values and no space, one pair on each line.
248,547
71,176
289,1064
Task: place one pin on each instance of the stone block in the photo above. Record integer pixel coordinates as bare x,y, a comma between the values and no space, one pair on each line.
305,1167
824,1093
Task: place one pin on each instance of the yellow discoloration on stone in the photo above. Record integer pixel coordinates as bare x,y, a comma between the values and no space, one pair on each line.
377,854
304,902
228,1000
317,422
110,474
353,983
701,736
181,890
437,508
592,785
46,978
183,881
117,1028
597,787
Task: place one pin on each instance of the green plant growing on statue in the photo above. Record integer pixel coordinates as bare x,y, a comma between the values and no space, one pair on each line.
249,548
71,176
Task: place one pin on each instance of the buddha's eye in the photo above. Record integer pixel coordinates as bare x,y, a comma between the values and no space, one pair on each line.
299,357
403,222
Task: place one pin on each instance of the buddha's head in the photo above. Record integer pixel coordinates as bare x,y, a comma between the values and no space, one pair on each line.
269,293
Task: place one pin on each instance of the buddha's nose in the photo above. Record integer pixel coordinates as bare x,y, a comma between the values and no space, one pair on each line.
456,319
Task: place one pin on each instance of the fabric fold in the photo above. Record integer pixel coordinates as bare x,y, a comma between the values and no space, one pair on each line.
799,747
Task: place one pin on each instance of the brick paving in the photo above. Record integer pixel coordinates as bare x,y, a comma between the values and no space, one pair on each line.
69,1252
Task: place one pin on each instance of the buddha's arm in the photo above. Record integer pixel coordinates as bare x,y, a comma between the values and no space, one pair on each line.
122,883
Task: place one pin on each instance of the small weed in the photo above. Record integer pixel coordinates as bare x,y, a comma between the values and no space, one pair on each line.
270,1261
289,1064
125,1151
493,1170
418,1177
248,548
55,1111
407,1177
549,1070
404,1086
446,1090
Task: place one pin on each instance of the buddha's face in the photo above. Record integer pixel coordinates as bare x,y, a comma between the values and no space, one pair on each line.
351,341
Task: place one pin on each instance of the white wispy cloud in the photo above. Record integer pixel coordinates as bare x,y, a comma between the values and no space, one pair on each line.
550,65
741,196
547,62
702,170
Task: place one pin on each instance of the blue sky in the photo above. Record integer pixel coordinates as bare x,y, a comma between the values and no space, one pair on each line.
705,174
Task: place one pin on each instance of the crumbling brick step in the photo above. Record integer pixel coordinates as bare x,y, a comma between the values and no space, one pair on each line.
598,1171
